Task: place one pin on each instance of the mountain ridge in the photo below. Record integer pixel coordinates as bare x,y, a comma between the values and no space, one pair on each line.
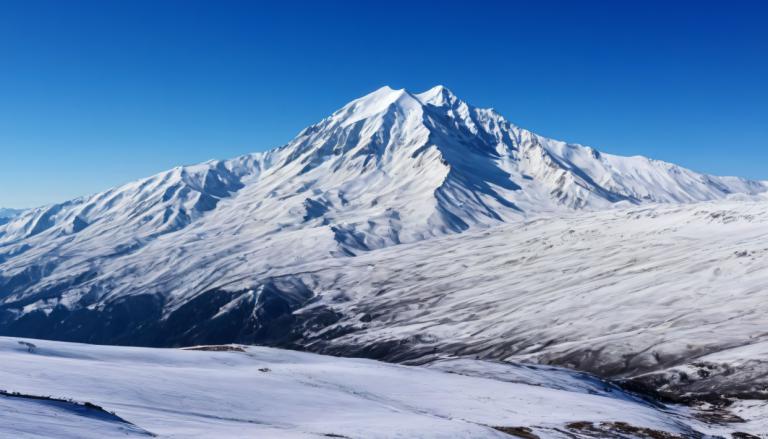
439,96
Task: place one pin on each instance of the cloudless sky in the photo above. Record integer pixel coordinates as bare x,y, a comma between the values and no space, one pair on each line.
98,93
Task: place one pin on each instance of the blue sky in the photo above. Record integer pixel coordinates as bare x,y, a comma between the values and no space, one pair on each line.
97,93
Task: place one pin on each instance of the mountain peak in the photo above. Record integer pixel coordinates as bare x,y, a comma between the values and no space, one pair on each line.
385,98
438,95
376,103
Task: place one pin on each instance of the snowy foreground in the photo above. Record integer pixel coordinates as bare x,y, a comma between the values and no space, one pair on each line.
270,393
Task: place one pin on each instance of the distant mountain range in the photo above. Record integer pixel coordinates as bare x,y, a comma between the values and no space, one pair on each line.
6,214
261,248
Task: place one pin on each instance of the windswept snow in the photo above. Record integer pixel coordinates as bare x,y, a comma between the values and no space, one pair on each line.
23,417
264,392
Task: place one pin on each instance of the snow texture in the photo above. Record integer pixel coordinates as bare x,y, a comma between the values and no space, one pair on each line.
265,392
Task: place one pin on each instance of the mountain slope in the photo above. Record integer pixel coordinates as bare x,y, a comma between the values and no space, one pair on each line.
264,392
191,254
625,294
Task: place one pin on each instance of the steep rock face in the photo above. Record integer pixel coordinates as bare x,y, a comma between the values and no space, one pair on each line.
389,168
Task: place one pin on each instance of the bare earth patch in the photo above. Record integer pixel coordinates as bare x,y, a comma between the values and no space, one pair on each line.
615,429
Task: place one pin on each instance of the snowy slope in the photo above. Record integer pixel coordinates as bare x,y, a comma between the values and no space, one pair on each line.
643,293
263,392
391,167
620,293
28,418
630,293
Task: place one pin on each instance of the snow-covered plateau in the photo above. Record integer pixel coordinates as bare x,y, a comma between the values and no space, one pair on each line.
66,390
418,229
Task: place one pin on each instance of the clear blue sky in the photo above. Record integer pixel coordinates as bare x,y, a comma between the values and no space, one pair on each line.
93,94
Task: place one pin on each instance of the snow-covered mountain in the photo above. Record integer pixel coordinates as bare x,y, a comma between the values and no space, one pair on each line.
7,214
261,248
388,168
